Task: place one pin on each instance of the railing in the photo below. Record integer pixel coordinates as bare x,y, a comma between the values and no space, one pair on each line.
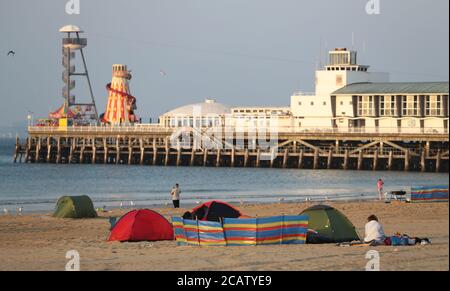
150,128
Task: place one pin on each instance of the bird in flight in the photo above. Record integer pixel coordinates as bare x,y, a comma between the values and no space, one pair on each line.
163,73
11,53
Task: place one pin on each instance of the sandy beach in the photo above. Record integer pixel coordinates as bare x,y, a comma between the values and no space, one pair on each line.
40,242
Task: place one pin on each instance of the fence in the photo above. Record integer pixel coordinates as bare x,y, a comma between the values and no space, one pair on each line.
241,232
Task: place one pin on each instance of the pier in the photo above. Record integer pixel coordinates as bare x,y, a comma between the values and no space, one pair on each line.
154,145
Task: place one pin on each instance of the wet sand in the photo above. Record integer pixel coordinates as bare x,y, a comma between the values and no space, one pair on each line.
40,242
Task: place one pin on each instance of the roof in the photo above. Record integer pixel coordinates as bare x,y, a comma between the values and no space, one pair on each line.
394,88
209,107
70,28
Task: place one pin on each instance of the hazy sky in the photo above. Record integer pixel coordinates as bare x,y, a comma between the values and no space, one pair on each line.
240,52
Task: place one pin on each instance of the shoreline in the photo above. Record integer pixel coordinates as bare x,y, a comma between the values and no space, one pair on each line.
168,205
40,242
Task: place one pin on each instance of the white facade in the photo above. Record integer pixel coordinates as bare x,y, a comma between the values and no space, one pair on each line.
315,110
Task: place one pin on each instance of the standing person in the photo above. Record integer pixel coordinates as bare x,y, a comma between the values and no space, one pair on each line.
380,185
176,195
374,232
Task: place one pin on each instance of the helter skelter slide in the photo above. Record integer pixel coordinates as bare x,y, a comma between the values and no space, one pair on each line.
121,104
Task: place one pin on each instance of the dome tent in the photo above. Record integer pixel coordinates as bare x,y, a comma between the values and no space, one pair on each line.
330,225
142,225
213,211
74,207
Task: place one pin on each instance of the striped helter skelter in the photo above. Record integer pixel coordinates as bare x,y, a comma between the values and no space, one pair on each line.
121,104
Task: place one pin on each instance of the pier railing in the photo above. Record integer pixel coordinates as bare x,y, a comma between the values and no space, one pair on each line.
280,130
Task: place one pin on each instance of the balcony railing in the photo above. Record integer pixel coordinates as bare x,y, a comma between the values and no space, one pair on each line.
151,128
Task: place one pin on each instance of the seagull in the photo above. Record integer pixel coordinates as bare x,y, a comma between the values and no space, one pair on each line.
11,53
241,202
132,203
198,202
20,210
281,199
121,205
6,211
163,73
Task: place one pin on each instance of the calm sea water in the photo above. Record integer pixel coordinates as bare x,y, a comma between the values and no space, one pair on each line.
36,187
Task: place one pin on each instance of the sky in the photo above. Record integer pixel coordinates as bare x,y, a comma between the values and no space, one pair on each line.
239,52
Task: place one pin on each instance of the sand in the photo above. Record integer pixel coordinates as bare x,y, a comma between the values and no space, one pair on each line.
40,242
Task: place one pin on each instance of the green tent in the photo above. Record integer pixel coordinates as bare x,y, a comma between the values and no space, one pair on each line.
75,207
330,225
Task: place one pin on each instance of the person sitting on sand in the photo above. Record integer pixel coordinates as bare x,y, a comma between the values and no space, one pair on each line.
374,232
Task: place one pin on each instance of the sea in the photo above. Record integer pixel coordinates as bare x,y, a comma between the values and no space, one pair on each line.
36,187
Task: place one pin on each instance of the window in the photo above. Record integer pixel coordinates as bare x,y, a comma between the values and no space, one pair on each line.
388,106
312,103
410,105
324,103
299,103
342,103
433,105
366,106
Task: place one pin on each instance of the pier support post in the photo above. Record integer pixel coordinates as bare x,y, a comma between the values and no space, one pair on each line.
246,158
155,152
117,150
423,162
58,150
83,146
337,145
27,150
49,149
94,151
273,157
360,160
72,147
375,161
178,156
330,159
167,150
193,157
38,151
130,152
205,156
105,151
407,158
285,158
316,159
258,158
346,158
218,158
142,149
233,152
17,149
438,161
390,160
300,159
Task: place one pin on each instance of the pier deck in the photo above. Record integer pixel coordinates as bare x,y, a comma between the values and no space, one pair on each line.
426,151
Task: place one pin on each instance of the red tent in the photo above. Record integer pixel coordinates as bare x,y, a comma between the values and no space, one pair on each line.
142,225
213,211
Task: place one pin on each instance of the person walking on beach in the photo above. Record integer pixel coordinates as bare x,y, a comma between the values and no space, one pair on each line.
176,195
380,185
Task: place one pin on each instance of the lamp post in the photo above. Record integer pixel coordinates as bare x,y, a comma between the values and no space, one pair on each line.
30,118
